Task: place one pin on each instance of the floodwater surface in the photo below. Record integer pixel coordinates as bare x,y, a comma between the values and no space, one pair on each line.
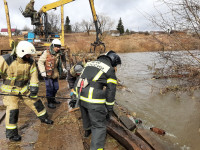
178,116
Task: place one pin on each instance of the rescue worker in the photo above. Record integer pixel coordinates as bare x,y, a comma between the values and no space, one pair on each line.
20,77
98,87
73,74
51,66
31,12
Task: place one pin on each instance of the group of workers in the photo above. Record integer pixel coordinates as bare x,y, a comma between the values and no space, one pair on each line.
93,83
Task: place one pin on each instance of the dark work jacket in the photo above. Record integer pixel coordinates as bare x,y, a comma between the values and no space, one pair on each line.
72,75
102,82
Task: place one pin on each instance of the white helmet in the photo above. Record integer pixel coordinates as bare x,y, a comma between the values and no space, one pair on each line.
25,47
56,42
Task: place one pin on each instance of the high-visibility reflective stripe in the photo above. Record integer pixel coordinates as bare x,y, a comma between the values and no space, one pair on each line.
17,77
6,88
42,113
11,127
76,92
100,149
33,70
11,78
110,103
111,81
24,89
98,76
100,65
90,92
34,84
99,101
33,96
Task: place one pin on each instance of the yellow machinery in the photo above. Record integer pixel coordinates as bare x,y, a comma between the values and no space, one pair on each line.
54,5
8,23
42,29
45,8
98,44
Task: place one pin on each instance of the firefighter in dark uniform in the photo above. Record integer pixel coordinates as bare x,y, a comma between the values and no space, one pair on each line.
98,83
20,77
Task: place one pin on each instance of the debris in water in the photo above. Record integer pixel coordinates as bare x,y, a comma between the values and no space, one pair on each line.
157,130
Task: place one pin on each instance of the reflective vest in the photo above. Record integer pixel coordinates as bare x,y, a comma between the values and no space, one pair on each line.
50,63
17,74
99,74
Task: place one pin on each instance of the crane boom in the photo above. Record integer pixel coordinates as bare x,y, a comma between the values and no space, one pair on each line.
98,42
8,23
53,5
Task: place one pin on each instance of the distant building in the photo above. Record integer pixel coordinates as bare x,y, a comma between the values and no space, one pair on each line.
114,33
4,31
24,32
93,32
157,32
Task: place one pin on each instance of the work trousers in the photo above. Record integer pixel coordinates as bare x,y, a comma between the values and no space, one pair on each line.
52,87
12,112
94,118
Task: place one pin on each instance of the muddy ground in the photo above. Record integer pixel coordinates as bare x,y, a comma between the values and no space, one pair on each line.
65,134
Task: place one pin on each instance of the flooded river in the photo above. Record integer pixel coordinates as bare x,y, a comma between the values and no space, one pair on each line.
179,117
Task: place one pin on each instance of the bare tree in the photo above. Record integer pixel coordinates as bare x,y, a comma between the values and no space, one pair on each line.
86,26
76,27
182,23
54,22
106,22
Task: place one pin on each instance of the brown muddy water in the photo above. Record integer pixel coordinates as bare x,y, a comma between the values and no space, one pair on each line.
179,117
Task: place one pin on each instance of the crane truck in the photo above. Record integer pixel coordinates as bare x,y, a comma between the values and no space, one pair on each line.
42,27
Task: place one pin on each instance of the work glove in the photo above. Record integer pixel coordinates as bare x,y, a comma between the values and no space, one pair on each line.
65,70
43,74
110,111
109,115
33,95
72,103
33,91
109,108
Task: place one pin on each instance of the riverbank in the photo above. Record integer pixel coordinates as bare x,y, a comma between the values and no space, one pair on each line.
80,42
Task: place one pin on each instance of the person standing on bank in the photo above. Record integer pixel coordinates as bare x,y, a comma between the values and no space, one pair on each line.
51,66
96,102
20,77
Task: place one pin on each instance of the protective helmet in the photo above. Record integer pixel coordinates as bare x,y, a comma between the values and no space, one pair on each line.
32,1
25,47
56,42
115,59
78,68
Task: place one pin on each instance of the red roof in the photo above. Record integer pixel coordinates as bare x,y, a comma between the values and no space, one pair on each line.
6,30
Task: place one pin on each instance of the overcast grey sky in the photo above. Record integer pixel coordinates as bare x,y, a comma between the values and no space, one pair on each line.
128,10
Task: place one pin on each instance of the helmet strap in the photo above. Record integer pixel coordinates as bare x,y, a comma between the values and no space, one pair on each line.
25,58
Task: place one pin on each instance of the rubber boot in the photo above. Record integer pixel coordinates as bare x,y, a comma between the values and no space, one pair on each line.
87,133
15,138
55,101
50,103
47,121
